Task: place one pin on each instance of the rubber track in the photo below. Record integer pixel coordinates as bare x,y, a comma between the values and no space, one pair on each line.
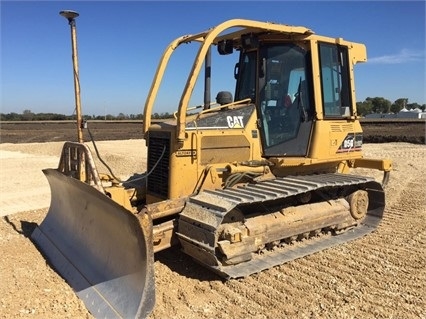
219,202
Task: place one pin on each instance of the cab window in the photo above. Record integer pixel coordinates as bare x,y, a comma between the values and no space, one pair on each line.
284,94
335,82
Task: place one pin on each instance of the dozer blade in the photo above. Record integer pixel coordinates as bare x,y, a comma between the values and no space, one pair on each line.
101,249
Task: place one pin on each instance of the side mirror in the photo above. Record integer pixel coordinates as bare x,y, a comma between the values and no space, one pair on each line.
225,47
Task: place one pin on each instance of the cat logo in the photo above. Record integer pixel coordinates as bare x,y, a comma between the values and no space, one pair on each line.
235,121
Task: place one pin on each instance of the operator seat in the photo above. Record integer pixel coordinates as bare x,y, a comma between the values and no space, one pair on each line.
297,112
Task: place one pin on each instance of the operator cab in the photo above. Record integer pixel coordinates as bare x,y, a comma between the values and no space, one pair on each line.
277,77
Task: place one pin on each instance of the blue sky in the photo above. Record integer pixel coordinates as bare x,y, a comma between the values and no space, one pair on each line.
120,44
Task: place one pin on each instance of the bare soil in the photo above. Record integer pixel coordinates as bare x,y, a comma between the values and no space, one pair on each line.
54,131
382,275
375,131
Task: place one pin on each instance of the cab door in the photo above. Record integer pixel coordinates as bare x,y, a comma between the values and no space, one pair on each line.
285,107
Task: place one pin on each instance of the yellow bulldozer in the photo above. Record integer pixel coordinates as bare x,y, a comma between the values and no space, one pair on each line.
251,180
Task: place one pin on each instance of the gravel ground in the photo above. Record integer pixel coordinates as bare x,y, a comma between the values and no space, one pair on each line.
379,276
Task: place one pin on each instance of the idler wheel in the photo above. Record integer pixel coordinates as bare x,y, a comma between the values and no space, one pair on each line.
358,202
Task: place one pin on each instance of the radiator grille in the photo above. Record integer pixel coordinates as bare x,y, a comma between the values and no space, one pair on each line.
348,127
335,128
158,180
342,127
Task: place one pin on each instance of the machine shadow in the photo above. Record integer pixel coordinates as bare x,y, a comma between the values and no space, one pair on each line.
184,265
27,228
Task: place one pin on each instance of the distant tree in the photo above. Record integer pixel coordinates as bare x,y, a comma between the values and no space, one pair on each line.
121,116
27,115
398,105
364,108
11,117
380,104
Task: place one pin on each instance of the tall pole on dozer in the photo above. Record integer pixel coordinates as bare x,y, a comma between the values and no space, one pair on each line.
70,16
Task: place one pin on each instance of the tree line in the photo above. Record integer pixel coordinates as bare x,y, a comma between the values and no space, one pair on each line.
369,106
382,106
28,115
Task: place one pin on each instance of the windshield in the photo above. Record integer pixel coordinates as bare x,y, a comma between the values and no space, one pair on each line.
275,77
